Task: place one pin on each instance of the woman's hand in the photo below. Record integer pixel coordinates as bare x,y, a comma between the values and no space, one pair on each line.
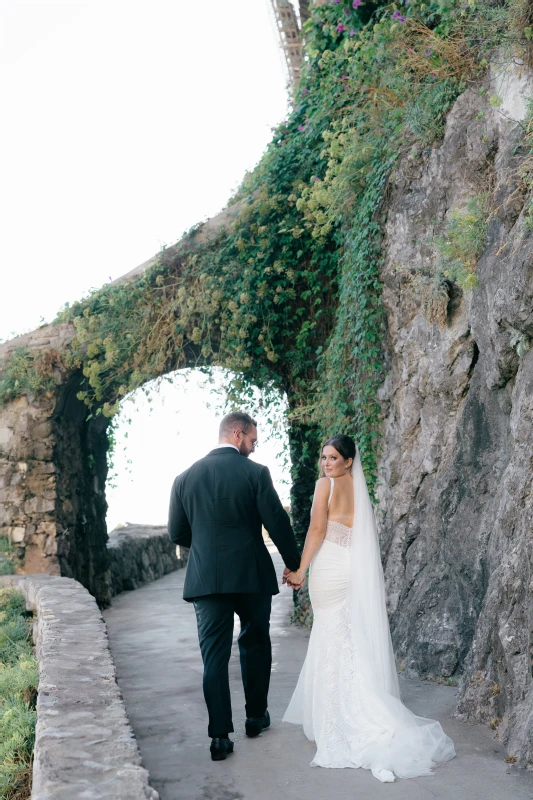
296,579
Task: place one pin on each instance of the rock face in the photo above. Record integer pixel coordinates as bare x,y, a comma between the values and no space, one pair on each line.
456,474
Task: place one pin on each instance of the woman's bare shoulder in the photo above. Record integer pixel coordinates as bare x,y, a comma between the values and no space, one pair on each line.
322,486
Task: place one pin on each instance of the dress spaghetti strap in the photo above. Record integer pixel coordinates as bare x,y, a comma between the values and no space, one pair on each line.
332,481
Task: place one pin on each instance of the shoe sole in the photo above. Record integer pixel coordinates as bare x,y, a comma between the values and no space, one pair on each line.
252,732
221,756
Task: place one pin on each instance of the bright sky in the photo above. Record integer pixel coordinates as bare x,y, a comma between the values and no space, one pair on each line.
124,123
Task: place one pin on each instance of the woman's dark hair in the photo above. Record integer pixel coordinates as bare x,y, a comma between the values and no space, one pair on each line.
343,444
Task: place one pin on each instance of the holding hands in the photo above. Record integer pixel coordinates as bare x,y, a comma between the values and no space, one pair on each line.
294,579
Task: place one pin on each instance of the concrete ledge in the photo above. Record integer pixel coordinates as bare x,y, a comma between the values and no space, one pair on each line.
139,554
84,744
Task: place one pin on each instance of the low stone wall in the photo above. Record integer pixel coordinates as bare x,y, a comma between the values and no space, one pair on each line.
140,554
84,744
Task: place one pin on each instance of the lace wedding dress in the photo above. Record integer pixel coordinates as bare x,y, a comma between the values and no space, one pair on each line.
347,696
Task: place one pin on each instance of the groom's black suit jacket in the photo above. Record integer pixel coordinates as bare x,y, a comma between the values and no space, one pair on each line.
217,508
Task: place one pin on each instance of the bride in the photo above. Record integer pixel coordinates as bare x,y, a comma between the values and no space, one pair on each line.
347,697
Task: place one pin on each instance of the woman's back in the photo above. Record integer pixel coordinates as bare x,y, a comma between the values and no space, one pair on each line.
340,512
341,501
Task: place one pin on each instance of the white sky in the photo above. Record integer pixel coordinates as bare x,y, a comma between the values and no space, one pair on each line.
124,123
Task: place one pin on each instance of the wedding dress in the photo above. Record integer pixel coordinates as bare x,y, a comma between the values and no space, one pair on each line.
347,697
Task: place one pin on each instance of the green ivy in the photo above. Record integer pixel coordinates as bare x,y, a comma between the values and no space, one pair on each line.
287,296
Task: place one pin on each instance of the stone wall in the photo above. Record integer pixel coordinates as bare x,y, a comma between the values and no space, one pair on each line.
28,481
84,745
139,554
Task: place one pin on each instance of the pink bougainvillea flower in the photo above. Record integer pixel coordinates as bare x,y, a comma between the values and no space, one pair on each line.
301,127
398,16
341,27
345,77
356,3
346,86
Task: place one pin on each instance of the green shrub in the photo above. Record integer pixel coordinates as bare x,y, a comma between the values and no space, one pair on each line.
463,242
18,689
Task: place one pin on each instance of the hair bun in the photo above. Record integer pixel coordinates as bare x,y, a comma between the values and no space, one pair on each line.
343,444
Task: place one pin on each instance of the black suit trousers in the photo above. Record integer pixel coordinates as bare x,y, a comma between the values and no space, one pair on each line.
214,617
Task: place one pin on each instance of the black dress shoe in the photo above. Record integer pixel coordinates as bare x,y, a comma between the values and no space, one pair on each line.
220,748
256,725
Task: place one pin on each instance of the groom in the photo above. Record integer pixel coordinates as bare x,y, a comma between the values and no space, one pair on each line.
217,508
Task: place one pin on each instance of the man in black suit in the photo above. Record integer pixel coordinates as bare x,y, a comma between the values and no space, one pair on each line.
217,508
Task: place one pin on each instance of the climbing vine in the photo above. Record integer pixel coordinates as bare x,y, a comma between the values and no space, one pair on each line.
287,295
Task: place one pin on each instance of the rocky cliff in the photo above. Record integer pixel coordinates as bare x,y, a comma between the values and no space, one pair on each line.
456,472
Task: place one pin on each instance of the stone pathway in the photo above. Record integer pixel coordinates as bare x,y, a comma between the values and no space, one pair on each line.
153,639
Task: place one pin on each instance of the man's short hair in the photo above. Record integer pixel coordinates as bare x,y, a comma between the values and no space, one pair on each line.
237,420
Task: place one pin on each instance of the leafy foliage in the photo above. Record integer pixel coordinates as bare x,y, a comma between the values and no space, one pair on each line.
6,556
287,295
27,372
463,243
18,688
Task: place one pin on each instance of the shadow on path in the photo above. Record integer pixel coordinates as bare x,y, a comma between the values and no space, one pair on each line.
153,639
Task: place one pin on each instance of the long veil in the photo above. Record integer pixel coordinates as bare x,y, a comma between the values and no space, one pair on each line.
409,745
370,633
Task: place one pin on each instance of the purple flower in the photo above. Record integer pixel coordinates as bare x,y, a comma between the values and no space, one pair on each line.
305,91
301,127
428,52
345,77
316,180
356,3
352,32
346,86
341,27
336,2
398,16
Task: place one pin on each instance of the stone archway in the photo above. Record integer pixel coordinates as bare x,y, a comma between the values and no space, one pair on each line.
53,464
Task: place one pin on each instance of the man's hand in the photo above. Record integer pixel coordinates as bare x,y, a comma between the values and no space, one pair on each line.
295,579
285,573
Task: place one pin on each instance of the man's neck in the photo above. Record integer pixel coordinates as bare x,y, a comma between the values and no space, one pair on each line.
227,444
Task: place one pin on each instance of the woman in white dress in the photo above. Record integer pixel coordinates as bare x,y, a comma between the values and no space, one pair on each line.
347,697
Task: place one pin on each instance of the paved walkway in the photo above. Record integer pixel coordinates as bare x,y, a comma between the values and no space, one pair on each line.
153,639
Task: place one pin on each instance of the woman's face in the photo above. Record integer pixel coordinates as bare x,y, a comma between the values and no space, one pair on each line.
333,464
